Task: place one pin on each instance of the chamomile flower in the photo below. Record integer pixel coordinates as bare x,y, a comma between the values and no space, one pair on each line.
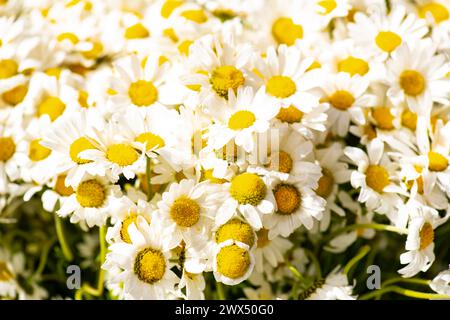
270,251
334,287
441,283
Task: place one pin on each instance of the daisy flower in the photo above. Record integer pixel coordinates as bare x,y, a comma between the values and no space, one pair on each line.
441,283
334,287
271,251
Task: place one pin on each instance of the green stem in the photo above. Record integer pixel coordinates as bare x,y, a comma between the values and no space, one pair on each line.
220,291
62,238
148,174
375,226
405,280
404,292
361,254
44,256
295,272
86,288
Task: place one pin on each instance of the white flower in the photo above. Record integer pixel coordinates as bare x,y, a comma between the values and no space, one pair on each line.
441,283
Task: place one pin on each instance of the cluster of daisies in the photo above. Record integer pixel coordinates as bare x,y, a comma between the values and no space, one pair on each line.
224,148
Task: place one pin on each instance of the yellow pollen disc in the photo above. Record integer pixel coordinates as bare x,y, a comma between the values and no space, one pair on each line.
51,106
168,7
208,175
15,95
184,47
143,93
170,33
7,148
384,118
124,227
281,87
426,235
287,198
353,66
8,68
61,188
285,31
248,188
80,145
326,184
328,5
409,119
438,11
94,52
83,97
412,82
38,152
281,161
224,14
224,78
436,161
91,194
377,178
263,238
137,31
53,72
370,132
241,120
238,230
314,65
233,261
388,41
152,140
342,100
5,273
179,175
185,212
68,36
419,181
197,16
150,265
122,154
290,114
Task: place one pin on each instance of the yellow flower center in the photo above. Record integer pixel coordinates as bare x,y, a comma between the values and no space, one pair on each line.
384,118
426,235
208,175
342,100
288,198
285,31
197,16
168,7
185,212
409,119
61,188
290,114
53,72
377,178
281,161
281,87
436,161
226,77
83,99
124,227
238,230
68,36
51,106
325,184
388,41
263,238
439,11
328,5
90,194
370,132
143,93
38,152
241,120
15,95
78,146
233,261
184,47
150,265
412,82
248,188
224,14
419,180
8,68
5,273
151,140
122,154
137,31
353,66
7,148
94,52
